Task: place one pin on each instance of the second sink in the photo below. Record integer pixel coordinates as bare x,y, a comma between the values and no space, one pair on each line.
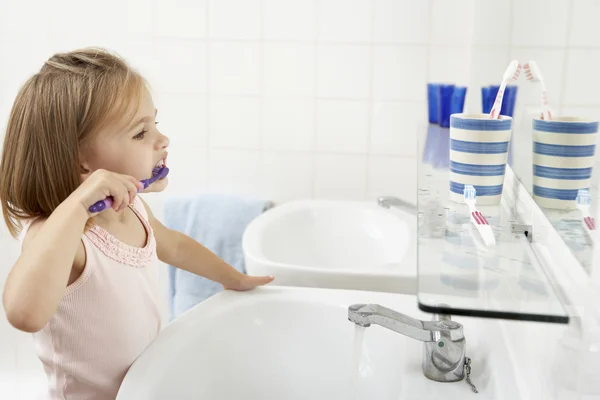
334,244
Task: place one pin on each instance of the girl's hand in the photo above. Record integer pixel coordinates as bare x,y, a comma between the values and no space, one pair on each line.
101,184
245,282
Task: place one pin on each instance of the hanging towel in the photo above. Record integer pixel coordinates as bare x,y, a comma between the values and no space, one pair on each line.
218,222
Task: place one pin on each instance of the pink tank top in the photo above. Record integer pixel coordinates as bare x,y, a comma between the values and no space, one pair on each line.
106,318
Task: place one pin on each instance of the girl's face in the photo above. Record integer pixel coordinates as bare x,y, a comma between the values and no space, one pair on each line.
131,147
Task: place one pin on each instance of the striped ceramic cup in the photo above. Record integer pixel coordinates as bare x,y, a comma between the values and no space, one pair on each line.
478,153
563,157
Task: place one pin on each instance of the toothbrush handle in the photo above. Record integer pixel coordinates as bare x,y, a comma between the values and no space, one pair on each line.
495,112
101,205
545,107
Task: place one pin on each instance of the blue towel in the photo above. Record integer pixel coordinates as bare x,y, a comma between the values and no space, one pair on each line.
218,222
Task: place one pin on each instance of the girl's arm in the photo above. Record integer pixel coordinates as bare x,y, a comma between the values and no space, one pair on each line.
37,282
181,251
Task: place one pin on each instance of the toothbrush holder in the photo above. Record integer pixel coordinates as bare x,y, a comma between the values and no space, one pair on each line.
478,154
563,157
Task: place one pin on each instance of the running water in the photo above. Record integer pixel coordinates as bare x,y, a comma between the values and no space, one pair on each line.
359,333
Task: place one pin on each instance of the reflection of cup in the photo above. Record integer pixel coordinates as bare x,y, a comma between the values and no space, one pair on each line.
563,157
432,102
478,152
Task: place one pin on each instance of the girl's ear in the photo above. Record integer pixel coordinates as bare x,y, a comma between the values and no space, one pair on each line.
84,169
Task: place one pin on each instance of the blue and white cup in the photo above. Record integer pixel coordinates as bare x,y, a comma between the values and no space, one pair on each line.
563,157
478,154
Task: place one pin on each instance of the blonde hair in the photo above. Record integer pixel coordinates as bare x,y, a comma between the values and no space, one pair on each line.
54,115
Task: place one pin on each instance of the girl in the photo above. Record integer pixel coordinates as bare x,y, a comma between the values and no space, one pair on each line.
81,129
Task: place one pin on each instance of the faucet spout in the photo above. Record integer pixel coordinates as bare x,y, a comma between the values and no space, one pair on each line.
390,201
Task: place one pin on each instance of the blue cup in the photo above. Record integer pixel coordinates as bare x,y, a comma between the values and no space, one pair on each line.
486,102
432,102
444,104
488,96
509,100
458,100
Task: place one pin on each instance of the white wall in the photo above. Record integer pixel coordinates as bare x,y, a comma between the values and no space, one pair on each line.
289,99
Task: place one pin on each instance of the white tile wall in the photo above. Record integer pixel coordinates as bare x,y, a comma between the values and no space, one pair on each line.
340,176
342,126
289,19
451,64
336,79
234,67
582,75
584,27
286,175
395,24
399,72
234,19
181,18
491,22
234,122
392,176
234,171
289,99
288,124
540,23
395,127
345,20
452,22
289,69
182,65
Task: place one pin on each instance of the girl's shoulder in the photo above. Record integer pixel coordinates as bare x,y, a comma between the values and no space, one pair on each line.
31,228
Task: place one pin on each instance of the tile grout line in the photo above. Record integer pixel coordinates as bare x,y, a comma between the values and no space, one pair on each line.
208,182
565,61
261,99
370,115
316,102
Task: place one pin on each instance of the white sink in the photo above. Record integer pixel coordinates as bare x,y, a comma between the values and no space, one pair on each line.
290,343
334,244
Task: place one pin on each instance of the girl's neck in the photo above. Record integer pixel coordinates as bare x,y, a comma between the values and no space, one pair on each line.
111,217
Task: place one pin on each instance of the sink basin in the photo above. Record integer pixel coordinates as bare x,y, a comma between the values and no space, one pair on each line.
334,244
290,343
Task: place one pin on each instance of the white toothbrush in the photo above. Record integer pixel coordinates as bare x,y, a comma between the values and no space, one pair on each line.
583,204
511,73
477,218
533,74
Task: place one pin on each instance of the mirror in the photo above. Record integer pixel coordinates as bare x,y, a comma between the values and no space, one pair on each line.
556,161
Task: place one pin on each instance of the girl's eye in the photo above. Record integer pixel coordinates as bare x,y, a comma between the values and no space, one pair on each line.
156,122
140,135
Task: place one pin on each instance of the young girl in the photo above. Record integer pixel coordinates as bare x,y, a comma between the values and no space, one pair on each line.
81,129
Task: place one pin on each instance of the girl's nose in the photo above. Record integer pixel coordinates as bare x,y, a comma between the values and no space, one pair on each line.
163,142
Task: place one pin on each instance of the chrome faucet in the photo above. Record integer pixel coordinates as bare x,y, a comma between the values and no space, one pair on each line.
444,342
390,201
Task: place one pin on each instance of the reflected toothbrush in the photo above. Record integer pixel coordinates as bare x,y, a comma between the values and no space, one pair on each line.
533,74
583,204
157,173
511,73
477,218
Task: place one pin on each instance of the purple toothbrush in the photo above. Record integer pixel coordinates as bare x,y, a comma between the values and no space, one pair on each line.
157,173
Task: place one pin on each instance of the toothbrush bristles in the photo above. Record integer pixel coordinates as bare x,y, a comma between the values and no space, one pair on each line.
469,192
517,73
583,197
156,170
